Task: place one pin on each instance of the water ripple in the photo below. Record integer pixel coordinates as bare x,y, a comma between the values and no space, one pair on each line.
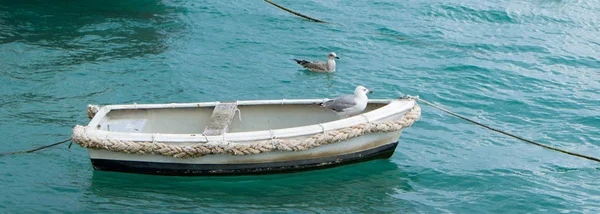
530,68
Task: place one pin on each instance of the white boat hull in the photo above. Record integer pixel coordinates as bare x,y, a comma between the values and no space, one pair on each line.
360,149
367,147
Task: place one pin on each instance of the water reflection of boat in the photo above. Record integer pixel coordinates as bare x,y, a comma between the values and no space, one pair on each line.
374,185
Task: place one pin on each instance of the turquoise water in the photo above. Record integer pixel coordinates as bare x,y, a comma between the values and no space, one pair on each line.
531,68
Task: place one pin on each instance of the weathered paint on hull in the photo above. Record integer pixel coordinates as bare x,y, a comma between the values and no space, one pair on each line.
181,169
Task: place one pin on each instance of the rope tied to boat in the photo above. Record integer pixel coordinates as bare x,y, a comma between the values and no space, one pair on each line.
36,149
503,132
247,148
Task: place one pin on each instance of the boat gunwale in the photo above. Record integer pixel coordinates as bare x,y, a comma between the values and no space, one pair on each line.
392,108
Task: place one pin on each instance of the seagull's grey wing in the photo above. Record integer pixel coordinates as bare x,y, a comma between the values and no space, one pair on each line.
315,66
340,103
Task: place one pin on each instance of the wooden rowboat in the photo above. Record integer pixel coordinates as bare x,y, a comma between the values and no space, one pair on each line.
242,137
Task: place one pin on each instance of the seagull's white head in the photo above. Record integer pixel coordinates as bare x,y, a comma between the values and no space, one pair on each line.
361,90
332,55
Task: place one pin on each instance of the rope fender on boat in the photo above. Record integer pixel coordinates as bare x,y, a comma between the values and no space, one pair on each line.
224,147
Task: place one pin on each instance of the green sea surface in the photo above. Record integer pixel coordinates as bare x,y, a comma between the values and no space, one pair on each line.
531,68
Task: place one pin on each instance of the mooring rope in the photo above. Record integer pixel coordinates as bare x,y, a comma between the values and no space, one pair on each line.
295,13
449,112
36,149
508,134
383,34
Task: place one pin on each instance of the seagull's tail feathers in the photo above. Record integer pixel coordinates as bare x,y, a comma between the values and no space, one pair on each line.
301,62
322,103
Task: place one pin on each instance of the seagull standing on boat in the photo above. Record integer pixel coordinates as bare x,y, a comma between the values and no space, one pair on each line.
349,105
324,67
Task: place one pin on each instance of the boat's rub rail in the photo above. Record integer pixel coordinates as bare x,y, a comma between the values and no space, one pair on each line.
81,138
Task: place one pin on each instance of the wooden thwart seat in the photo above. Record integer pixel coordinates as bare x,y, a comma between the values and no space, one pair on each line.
220,119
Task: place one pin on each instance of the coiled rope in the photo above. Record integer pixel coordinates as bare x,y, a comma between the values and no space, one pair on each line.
508,134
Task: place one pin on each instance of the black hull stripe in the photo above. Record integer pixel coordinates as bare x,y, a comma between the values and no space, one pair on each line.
180,169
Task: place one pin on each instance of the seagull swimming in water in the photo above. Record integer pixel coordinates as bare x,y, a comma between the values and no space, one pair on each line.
349,105
325,67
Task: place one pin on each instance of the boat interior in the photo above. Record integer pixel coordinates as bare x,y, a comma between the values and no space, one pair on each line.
214,120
